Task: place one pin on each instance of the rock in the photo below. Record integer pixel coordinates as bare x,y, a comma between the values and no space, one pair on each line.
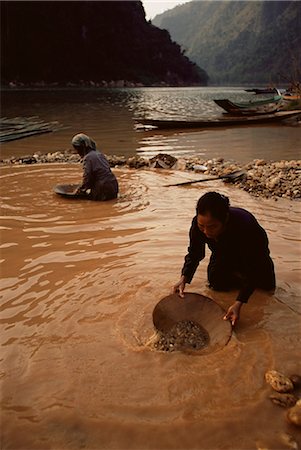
136,162
116,160
73,158
28,160
183,335
163,161
296,380
259,162
294,415
272,182
218,160
285,400
181,164
199,168
278,381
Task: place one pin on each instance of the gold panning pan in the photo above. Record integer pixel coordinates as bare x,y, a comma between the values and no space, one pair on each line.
67,190
198,309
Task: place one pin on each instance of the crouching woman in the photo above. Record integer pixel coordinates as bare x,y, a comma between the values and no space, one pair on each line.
97,174
240,255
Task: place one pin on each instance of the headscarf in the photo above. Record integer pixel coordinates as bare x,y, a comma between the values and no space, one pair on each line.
82,139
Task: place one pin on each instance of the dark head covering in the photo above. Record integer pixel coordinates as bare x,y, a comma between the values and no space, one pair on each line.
82,139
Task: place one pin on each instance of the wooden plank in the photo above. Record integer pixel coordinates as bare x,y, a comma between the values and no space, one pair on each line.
22,127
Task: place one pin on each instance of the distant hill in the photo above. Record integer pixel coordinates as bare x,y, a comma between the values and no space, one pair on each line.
239,41
89,41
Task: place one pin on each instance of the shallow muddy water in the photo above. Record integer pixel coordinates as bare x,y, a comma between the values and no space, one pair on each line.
80,281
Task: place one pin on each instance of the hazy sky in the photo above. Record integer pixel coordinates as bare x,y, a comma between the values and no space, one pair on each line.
154,7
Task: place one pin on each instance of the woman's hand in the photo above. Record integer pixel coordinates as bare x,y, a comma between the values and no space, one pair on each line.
233,312
180,286
80,192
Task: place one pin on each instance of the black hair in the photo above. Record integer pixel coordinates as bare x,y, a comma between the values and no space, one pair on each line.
214,203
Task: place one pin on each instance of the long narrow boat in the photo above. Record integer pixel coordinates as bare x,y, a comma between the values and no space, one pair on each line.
292,96
265,106
219,122
262,91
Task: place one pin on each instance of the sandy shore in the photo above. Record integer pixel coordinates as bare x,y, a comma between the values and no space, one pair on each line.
262,178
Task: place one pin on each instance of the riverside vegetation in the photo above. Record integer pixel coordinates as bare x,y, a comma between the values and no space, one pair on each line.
262,178
239,41
44,43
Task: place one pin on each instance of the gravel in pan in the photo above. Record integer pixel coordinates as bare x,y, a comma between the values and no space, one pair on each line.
185,334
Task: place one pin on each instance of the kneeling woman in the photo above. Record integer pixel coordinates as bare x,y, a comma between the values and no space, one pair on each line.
97,175
240,251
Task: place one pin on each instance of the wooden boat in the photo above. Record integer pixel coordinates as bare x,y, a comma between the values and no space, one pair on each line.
293,93
292,96
265,106
261,91
220,122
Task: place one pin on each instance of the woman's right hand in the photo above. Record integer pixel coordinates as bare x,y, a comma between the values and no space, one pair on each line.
180,287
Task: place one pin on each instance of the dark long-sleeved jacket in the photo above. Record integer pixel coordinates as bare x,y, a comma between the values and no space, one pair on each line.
242,247
98,177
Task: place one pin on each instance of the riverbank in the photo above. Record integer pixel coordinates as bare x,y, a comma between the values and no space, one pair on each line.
86,85
262,178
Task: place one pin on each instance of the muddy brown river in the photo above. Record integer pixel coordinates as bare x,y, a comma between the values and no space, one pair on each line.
80,281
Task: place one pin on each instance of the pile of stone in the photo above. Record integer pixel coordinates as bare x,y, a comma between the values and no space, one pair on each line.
277,179
287,394
184,335
69,156
262,178
64,156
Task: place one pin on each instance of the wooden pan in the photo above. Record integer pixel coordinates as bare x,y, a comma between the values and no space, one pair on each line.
196,308
67,190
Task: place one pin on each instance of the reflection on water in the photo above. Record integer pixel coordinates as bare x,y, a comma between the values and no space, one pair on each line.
109,115
80,280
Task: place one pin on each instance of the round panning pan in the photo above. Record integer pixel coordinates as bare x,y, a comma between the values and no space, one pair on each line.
196,308
66,190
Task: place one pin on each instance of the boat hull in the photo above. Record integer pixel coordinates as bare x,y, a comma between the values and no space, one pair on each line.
267,106
219,123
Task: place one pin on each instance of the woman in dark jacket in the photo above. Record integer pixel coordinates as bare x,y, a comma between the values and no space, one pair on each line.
240,251
97,176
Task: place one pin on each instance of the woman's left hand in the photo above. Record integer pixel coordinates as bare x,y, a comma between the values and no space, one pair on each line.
79,191
233,312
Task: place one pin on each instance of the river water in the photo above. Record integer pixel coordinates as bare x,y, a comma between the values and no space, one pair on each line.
80,280
109,117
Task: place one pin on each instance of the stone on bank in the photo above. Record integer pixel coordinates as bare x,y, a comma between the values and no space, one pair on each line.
263,179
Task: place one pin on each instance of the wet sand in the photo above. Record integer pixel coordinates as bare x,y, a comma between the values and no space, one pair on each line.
79,283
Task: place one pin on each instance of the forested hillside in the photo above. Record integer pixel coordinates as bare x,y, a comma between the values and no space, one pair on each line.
89,41
239,41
